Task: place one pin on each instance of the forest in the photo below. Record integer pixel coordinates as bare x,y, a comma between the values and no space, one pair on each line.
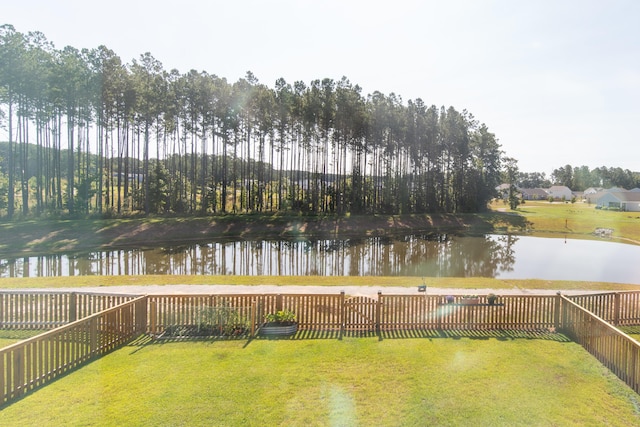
91,135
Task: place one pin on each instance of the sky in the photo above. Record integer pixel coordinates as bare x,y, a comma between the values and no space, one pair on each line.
557,81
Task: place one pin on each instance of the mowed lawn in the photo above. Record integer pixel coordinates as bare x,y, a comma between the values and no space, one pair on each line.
8,337
489,380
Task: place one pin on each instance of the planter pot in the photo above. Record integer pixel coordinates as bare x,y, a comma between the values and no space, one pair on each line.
279,329
470,301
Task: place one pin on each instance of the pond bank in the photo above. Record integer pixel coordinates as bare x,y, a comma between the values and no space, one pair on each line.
48,237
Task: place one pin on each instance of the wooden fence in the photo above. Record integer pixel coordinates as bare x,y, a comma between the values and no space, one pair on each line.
314,312
37,361
47,310
165,311
618,308
613,348
338,312
523,312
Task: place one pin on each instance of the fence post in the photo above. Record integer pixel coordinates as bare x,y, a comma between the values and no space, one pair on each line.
93,336
343,314
141,316
616,308
73,307
153,315
252,332
557,311
378,313
18,372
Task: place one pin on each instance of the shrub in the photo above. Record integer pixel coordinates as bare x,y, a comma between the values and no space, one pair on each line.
281,316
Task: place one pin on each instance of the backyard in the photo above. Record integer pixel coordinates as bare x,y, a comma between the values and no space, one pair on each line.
473,379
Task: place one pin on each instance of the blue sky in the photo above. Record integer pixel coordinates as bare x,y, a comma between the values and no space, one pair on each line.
558,82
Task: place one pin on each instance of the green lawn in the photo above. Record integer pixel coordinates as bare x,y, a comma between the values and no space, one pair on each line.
8,337
488,380
575,220
475,283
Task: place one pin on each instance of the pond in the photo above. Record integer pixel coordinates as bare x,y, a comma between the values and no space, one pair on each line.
500,256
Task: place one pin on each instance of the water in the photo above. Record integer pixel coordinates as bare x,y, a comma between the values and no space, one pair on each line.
501,256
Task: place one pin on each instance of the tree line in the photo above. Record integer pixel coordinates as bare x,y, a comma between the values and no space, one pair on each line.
580,178
89,134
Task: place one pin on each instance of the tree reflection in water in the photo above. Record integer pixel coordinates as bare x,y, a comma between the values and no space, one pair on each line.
429,255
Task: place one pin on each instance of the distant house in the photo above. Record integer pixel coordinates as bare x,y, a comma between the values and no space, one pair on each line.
593,198
534,194
503,190
591,190
560,192
615,190
622,200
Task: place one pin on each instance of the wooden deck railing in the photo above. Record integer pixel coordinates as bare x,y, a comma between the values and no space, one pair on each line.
613,348
34,362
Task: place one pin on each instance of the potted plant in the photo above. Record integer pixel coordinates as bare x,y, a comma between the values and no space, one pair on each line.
470,299
282,322
492,299
449,299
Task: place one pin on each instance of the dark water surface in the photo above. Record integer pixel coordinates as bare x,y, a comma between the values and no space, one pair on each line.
501,256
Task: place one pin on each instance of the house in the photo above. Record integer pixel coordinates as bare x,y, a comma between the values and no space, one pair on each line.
534,194
560,192
590,191
593,198
615,190
619,200
503,191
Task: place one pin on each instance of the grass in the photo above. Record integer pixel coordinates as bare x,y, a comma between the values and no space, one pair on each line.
8,337
497,380
577,220
337,282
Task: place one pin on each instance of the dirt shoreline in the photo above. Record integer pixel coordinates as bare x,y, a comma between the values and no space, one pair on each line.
66,236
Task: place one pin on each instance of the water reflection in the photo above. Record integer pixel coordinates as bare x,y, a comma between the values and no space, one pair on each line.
502,256
412,255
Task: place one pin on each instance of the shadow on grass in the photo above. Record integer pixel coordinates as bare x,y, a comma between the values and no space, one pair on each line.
500,335
493,221
503,335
